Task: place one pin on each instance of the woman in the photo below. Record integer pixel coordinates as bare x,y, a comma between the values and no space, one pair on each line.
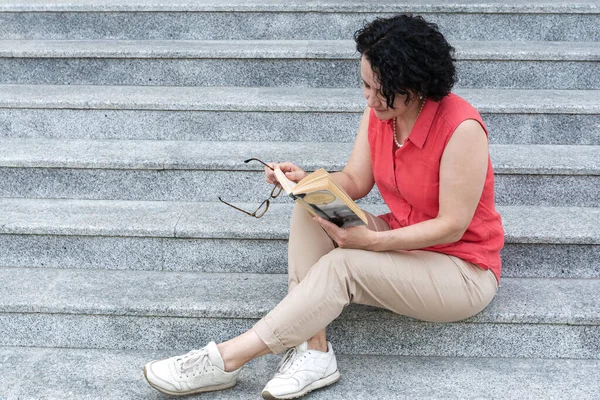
434,257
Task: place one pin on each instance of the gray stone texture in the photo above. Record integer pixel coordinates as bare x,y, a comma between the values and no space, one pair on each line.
579,25
528,74
381,337
268,256
469,6
548,224
210,155
193,295
267,73
523,224
550,260
234,72
566,129
323,126
520,65
280,99
161,155
550,175
246,186
117,376
72,217
249,256
121,309
282,49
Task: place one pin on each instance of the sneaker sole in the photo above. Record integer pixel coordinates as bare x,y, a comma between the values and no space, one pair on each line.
321,383
199,390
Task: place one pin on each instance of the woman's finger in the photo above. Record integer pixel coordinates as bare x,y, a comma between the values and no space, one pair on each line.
295,176
269,174
329,227
287,166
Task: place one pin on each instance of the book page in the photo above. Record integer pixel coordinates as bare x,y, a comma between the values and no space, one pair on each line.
285,183
328,206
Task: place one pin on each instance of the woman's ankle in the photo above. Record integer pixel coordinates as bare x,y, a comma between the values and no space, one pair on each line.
230,362
241,349
318,344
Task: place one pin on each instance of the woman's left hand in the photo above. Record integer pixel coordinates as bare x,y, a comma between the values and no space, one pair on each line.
356,237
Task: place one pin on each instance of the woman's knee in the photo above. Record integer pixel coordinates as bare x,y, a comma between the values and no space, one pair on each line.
300,216
335,266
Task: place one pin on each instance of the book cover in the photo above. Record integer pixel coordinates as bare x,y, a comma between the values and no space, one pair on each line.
328,206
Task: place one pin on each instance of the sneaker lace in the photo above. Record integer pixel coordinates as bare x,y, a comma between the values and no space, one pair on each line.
195,360
287,360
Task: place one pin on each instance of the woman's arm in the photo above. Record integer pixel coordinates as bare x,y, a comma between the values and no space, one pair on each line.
357,176
463,169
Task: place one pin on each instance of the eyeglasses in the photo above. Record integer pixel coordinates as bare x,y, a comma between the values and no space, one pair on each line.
264,206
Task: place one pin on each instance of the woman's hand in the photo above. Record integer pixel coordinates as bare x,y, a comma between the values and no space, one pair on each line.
356,237
293,172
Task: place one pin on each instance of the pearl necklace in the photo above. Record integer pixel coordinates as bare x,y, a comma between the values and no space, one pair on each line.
419,113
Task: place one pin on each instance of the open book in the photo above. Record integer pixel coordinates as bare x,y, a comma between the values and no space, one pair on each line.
321,196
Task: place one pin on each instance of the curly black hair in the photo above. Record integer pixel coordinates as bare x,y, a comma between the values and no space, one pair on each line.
408,55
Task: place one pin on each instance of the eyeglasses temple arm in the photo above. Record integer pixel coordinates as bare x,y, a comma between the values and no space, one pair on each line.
239,209
262,162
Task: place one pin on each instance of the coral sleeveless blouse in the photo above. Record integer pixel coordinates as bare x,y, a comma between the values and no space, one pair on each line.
408,179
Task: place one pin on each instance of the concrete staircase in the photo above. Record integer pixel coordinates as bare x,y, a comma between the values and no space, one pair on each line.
122,121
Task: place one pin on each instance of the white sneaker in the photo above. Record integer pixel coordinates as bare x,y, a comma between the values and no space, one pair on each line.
301,371
197,371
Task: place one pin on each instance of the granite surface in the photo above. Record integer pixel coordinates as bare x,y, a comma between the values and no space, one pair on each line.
136,253
229,156
547,6
283,49
525,75
318,126
550,260
250,186
523,224
378,337
292,67
294,99
197,49
249,256
72,217
547,190
125,309
548,175
197,125
574,24
549,224
277,73
543,129
246,186
117,376
205,72
250,296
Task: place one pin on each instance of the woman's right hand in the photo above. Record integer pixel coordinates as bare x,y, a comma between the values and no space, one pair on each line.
293,172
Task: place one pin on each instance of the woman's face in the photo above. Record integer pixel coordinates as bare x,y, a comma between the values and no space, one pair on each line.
374,97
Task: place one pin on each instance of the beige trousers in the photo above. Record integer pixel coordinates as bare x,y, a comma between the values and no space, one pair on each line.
324,279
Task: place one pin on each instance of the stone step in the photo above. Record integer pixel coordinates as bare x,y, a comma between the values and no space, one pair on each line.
553,175
272,114
520,65
211,237
565,20
528,318
120,376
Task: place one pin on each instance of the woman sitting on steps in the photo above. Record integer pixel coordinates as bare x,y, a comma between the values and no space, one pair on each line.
434,257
